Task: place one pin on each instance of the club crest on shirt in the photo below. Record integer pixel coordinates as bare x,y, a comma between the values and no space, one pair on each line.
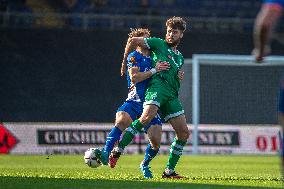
169,56
132,59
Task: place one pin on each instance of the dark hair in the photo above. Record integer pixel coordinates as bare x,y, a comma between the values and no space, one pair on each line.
176,23
138,32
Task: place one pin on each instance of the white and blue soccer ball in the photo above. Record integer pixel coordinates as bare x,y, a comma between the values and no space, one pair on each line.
90,158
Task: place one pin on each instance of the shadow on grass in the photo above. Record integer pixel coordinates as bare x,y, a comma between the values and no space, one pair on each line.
60,183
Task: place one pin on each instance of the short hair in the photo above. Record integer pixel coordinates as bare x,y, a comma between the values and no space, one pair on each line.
138,32
176,23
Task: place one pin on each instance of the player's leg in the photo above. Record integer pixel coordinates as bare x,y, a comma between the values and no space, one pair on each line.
153,99
148,114
265,22
154,132
175,115
124,117
123,120
182,134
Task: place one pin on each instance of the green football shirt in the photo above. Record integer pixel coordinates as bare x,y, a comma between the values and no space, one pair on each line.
161,51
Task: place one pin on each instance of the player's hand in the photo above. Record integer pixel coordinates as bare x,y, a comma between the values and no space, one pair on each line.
180,75
123,69
135,69
162,66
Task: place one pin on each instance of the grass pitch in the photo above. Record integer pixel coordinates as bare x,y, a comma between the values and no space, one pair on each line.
202,172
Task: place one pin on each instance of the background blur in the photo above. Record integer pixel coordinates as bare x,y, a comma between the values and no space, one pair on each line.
60,69
60,59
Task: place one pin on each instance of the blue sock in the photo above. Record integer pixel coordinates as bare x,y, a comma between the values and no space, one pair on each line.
149,155
112,137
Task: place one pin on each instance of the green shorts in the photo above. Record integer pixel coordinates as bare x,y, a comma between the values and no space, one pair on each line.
161,95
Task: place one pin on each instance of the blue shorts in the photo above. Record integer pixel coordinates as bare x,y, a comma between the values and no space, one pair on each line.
135,109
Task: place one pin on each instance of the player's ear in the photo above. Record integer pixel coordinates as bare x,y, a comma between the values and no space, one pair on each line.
181,35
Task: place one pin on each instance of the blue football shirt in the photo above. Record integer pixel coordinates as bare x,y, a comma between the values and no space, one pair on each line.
136,91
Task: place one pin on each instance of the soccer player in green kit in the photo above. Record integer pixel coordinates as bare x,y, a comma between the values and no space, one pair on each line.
162,92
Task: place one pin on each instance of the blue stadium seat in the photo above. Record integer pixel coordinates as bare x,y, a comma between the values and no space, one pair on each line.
246,9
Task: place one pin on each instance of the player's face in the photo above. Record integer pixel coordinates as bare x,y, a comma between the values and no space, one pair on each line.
173,36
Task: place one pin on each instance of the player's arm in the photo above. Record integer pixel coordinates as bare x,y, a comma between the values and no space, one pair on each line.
264,25
136,76
131,45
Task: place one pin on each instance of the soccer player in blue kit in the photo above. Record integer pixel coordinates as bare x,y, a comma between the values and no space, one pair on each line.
138,73
270,13
281,118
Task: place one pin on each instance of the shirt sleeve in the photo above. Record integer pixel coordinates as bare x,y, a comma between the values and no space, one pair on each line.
153,43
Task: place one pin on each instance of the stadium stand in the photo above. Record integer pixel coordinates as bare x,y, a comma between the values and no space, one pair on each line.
223,15
18,6
44,6
35,38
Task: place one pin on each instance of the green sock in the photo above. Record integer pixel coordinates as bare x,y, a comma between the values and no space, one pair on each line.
175,153
134,128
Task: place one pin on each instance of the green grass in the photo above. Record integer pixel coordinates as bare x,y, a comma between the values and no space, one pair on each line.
202,172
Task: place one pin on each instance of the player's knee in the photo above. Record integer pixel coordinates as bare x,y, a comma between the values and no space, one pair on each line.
122,124
183,134
155,143
146,118
122,121
148,114
186,135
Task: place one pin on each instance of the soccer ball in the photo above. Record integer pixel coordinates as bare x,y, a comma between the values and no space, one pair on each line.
90,158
